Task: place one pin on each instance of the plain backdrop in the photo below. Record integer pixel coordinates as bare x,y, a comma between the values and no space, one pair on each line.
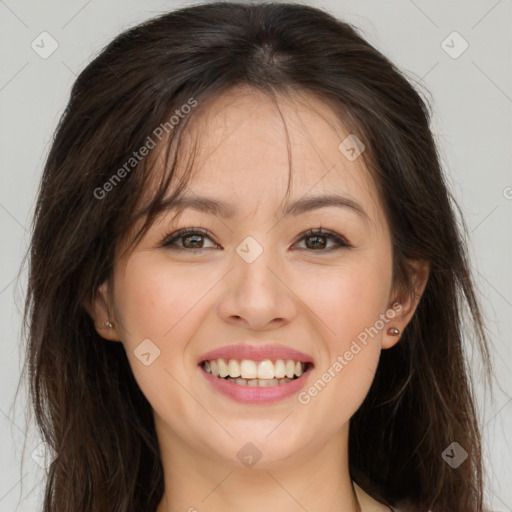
466,75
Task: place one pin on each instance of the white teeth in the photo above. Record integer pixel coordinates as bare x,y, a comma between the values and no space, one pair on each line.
223,368
234,368
266,369
260,382
290,368
279,369
248,369
214,367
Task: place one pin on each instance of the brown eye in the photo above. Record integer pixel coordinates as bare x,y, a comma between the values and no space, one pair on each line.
318,239
192,241
316,242
187,239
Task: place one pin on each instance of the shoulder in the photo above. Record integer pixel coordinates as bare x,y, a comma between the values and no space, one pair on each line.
368,504
371,505
405,507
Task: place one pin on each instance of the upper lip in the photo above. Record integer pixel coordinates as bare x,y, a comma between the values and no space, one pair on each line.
256,353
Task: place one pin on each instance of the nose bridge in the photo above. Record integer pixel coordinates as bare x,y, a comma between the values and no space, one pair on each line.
255,293
252,263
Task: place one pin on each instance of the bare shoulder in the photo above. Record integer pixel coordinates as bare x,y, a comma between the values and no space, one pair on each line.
368,504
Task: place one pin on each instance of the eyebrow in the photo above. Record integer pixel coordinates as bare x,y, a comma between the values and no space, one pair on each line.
303,205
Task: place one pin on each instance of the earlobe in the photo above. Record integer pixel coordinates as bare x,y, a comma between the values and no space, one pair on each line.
99,310
391,338
406,303
107,331
393,331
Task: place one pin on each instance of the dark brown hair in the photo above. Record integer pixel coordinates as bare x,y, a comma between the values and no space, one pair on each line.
88,406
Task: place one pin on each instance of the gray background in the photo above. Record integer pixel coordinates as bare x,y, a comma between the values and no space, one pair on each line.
472,101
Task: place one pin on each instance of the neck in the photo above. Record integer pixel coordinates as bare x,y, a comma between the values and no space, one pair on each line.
315,478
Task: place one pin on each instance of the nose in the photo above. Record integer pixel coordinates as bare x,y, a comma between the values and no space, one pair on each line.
256,294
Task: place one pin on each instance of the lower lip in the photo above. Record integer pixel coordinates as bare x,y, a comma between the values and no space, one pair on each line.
257,395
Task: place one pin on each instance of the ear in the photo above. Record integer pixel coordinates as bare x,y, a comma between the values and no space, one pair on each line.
405,302
99,310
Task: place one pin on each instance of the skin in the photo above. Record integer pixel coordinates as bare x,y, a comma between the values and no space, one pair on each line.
317,301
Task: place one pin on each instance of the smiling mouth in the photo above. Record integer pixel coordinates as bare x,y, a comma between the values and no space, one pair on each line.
247,372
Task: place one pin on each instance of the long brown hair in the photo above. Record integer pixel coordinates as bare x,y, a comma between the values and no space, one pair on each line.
88,406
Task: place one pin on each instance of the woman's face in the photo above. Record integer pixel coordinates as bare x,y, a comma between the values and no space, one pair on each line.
258,280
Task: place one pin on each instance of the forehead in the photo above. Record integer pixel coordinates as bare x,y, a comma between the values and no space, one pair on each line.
252,127
252,157
248,143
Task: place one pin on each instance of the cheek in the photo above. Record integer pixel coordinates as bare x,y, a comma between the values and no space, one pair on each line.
161,304
154,300
349,298
349,302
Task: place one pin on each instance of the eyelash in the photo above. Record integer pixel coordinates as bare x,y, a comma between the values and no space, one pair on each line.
169,240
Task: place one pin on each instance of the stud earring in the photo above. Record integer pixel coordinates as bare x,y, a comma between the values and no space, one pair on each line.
108,324
393,331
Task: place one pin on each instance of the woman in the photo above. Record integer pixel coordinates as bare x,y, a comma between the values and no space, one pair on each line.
247,279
